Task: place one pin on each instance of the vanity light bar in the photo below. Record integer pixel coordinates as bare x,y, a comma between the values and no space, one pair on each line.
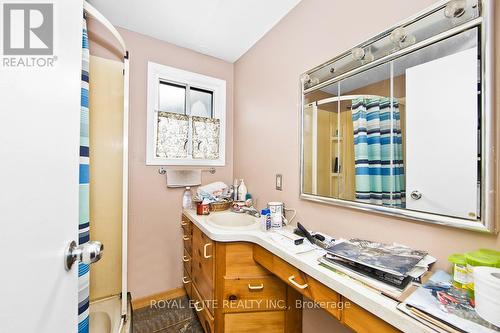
429,41
400,37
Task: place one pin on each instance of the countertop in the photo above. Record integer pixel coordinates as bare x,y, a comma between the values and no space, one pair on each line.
372,301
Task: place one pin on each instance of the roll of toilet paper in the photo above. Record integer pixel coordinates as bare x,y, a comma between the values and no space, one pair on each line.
487,293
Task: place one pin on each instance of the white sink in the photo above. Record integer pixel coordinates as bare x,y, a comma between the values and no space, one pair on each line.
233,220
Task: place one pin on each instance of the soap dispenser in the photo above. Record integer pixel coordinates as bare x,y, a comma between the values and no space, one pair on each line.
242,191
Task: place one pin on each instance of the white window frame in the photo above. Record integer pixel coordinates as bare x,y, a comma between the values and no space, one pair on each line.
157,73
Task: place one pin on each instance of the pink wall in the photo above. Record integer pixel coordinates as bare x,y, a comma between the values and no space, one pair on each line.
266,122
267,98
155,244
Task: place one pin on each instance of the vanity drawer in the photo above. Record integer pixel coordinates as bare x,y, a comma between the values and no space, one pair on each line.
362,321
202,310
268,322
326,298
188,284
240,262
187,234
203,266
187,260
259,294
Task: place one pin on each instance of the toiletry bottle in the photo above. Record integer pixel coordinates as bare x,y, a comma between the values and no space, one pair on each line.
265,220
235,188
242,191
187,198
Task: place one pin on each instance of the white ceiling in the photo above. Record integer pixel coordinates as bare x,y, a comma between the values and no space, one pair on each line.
225,29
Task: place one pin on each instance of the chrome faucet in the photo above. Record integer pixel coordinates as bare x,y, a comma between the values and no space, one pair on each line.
251,211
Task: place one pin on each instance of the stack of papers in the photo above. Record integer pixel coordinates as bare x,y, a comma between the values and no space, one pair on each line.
444,308
387,267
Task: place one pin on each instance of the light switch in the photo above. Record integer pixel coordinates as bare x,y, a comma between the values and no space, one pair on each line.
279,182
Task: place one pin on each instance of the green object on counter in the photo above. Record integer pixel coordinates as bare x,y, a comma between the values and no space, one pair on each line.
495,255
460,273
482,257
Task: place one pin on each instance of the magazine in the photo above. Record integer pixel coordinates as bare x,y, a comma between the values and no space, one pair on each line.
440,300
394,259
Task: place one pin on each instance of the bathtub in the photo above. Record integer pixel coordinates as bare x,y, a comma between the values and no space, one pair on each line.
105,316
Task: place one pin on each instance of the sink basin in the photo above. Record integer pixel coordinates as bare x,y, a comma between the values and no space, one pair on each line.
232,220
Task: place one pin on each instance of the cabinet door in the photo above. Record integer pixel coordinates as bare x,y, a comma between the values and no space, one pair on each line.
203,266
440,111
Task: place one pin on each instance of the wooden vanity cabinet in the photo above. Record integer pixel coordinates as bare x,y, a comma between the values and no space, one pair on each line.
230,292
349,314
240,287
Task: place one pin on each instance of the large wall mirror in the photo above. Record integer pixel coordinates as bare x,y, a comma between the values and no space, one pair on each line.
402,124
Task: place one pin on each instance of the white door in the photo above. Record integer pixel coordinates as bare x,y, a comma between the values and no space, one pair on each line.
441,135
39,142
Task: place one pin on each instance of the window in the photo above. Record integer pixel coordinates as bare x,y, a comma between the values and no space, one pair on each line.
186,118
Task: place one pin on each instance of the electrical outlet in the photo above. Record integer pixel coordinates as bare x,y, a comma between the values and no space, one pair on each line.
279,182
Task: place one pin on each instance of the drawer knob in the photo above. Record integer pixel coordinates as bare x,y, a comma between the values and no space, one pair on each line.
232,298
205,255
256,287
197,307
291,279
185,237
185,280
183,223
185,259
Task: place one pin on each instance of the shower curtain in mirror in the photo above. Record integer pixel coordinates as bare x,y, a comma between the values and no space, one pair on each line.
83,227
378,152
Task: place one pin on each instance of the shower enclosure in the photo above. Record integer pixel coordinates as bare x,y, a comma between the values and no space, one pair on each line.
107,110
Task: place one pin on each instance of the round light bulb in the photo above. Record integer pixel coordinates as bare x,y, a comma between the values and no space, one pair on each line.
455,8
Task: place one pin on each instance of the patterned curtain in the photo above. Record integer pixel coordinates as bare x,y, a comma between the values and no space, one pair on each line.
172,135
205,138
84,223
378,152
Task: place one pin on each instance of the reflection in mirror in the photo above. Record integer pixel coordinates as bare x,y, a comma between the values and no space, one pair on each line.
320,151
403,134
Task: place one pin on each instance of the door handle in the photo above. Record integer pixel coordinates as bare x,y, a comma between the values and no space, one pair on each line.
257,287
87,253
205,255
197,308
185,280
416,195
291,279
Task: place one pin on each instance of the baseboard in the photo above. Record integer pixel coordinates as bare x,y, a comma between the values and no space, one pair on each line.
165,295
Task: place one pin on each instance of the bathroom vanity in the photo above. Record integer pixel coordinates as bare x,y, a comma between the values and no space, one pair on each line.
239,280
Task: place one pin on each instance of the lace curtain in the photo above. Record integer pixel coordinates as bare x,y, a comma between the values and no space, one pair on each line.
173,136
206,138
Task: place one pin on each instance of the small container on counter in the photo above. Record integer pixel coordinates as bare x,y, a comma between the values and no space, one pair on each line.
460,274
202,208
475,259
265,220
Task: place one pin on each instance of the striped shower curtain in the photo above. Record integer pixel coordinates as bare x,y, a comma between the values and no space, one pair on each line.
378,152
83,227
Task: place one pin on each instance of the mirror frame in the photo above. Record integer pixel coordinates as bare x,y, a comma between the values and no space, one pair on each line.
484,21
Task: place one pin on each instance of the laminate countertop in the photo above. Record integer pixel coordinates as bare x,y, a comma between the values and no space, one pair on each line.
365,297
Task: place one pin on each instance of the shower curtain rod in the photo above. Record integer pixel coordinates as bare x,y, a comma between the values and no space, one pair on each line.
92,11
344,98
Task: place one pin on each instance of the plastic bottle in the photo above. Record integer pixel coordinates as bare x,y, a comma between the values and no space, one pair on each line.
187,199
265,220
235,190
242,191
